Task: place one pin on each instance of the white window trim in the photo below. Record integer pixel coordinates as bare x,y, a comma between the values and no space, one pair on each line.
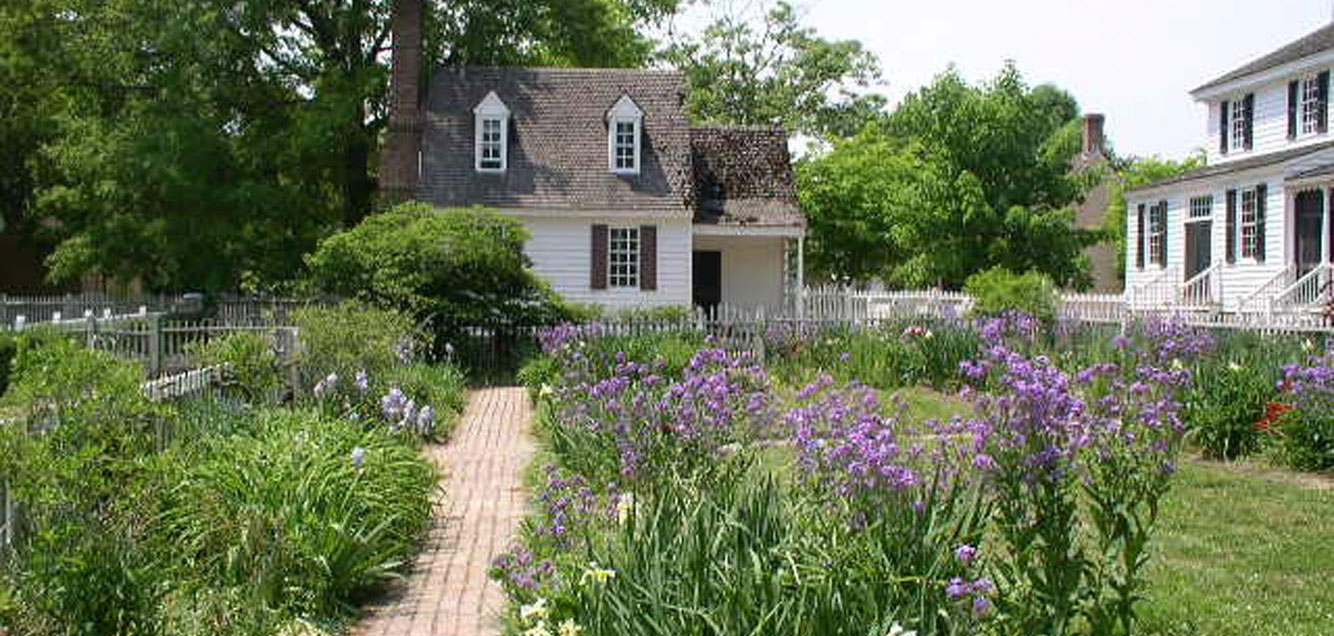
491,109
625,111
1308,96
1207,200
1159,233
1237,125
628,280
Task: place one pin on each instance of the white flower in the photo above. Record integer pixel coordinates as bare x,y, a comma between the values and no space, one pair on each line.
535,611
546,391
596,575
569,628
897,630
539,629
625,506
1176,363
1234,366
358,457
1307,345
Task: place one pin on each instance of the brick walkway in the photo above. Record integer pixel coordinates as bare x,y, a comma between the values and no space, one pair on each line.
448,593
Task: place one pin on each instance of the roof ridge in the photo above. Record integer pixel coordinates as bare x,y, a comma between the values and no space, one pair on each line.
1321,39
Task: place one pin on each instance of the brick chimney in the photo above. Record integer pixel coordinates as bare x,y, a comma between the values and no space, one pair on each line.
1094,145
400,156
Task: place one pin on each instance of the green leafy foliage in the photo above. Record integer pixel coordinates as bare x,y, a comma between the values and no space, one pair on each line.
999,290
349,338
957,180
453,265
255,374
775,72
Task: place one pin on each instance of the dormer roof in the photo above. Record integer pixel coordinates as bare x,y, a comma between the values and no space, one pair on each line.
1311,44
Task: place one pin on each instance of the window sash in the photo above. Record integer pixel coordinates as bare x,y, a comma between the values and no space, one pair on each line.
1247,223
1238,140
491,148
1202,207
1311,105
623,248
624,146
1158,235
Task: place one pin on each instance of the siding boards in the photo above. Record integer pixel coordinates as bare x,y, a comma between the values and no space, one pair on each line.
561,253
1270,127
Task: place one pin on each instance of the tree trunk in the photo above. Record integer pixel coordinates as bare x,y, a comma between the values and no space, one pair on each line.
358,187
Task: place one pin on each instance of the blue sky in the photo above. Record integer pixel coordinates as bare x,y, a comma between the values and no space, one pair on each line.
1133,60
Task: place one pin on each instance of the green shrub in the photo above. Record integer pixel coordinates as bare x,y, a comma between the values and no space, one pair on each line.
8,348
349,338
998,290
463,265
255,373
1304,439
288,515
1224,405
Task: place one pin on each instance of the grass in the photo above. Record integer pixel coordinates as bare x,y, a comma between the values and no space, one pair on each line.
1242,553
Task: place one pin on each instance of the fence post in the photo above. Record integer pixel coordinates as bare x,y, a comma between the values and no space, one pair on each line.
154,345
19,322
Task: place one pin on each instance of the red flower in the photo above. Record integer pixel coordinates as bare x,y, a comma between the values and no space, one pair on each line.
1273,413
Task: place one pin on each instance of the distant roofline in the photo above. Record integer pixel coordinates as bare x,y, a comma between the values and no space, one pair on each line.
1314,43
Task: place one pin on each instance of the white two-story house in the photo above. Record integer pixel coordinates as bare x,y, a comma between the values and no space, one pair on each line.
1251,232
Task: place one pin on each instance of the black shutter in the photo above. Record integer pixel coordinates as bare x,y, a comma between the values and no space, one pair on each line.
1162,223
1139,239
1230,227
597,275
648,257
1330,210
1322,108
1222,129
1294,95
1260,222
1249,107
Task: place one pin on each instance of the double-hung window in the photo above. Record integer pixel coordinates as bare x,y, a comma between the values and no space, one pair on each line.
1238,139
1311,104
490,147
1248,222
623,251
625,155
1158,234
625,132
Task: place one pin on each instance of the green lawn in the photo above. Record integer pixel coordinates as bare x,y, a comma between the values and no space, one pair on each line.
1241,553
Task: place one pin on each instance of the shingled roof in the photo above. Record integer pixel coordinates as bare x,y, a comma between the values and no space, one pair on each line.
1320,40
743,177
1230,167
558,140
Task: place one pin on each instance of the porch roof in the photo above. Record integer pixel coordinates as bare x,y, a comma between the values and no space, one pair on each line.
1311,173
1222,169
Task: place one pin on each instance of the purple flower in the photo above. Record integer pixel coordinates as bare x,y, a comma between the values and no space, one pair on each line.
966,554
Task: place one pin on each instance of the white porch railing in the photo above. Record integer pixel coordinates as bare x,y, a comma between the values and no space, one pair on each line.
1203,289
1310,291
1261,301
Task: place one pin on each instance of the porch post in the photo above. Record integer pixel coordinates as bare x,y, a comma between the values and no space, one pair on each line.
801,276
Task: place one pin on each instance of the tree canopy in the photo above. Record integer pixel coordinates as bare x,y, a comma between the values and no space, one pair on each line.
1131,173
776,72
957,180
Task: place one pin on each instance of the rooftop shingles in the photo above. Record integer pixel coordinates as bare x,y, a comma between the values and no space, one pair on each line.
1310,44
1221,169
743,177
558,141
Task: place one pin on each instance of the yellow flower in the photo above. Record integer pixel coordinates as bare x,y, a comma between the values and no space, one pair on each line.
569,628
546,391
596,574
537,611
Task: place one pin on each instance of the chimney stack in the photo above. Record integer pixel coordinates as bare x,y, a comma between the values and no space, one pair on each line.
1094,145
400,162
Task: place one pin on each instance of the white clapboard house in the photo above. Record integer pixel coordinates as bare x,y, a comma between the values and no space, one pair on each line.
1250,232
628,203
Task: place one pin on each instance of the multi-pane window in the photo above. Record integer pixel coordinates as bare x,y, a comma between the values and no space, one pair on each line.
1201,207
623,257
1158,234
1238,120
491,145
1311,105
624,146
1249,227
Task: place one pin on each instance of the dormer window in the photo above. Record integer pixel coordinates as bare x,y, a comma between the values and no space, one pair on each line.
491,141
624,130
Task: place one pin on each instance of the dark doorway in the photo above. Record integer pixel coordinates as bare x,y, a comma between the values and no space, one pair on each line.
1199,247
1310,220
708,279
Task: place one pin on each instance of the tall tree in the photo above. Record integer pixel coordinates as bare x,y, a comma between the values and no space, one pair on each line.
775,72
202,140
957,180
